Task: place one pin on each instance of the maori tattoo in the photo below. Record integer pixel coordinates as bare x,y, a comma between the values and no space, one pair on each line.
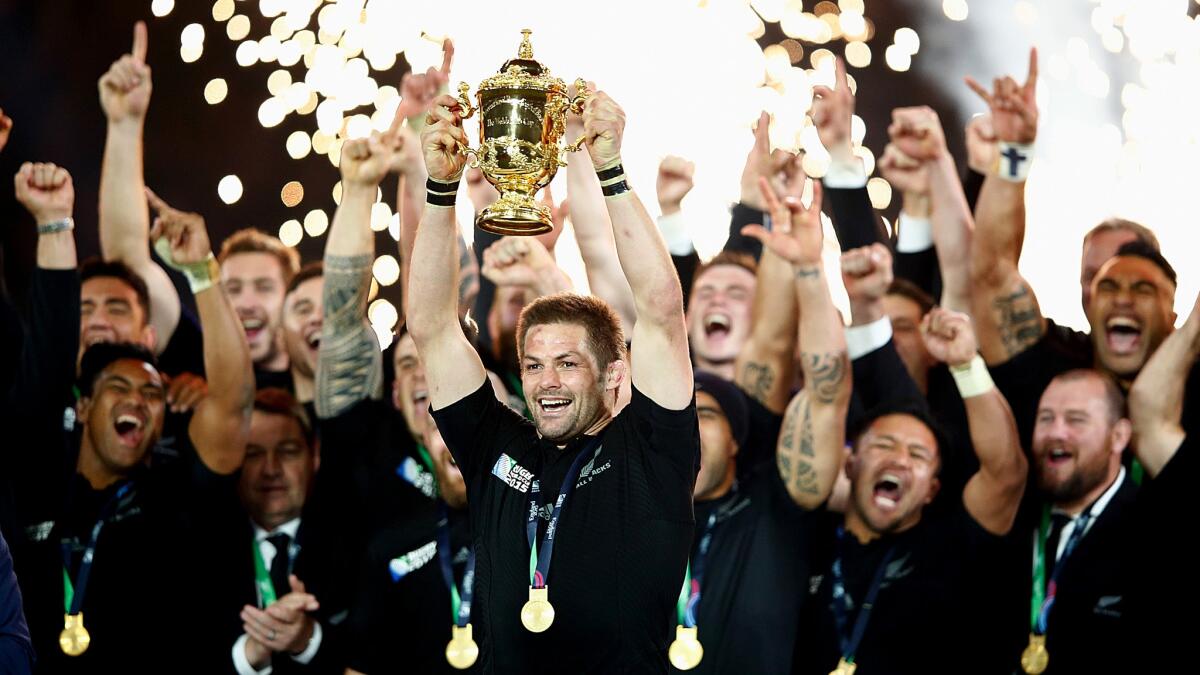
1018,320
757,379
349,365
795,453
824,374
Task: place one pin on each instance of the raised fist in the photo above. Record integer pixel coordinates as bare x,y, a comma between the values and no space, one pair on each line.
443,140
1013,106
917,132
523,261
365,161
981,143
125,88
45,190
949,336
6,125
603,126
867,273
675,180
906,174
183,233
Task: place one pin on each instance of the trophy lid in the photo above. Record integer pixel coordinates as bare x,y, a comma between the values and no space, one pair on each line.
524,72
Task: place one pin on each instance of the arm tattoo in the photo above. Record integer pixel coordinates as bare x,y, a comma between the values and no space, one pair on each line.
1017,320
349,364
824,374
757,379
795,463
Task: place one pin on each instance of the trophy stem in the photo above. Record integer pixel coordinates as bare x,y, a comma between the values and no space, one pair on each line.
515,214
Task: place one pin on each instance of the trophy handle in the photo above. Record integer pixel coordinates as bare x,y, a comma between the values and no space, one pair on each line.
582,94
464,100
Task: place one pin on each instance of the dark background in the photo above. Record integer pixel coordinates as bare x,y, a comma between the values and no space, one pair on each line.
52,52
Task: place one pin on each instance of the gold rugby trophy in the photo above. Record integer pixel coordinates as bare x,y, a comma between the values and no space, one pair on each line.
522,117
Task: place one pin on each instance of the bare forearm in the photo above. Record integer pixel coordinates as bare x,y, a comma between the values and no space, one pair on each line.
433,275
1000,226
349,367
822,339
124,216
56,251
953,228
594,235
764,368
410,198
645,260
1156,399
994,435
226,354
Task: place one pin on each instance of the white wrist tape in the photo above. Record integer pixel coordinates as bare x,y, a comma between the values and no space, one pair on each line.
1014,161
973,378
913,234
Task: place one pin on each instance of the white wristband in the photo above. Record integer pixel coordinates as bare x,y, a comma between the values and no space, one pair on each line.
675,232
973,379
862,340
845,175
914,234
1014,161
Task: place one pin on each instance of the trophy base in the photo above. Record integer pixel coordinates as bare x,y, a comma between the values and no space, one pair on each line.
515,214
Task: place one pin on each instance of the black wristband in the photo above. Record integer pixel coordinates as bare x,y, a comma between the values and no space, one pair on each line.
440,187
615,188
440,199
609,174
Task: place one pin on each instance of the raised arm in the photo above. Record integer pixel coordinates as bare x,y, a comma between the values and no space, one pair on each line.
525,262
1007,317
594,235
1156,398
221,422
917,135
662,367
349,365
765,366
124,218
47,192
993,494
452,367
809,452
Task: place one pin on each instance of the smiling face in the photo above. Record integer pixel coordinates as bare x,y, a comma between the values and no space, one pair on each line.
451,485
1097,250
302,310
277,471
110,312
1077,439
122,417
718,313
893,473
255,285
565,390
410,393
1130,313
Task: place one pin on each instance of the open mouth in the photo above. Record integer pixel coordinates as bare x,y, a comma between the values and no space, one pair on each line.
1123,334
1057,456
314,340
717,324
888,490
552,405
130,429
253,327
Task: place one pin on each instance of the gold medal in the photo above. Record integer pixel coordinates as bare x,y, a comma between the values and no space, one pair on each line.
1035,658
844,667
74,638
686,651
538,613
462,651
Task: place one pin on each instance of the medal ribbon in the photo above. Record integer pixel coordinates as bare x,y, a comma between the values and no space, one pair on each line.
1043,593
840,601
539,559
689,594
460,605
73,593
262,578
425,458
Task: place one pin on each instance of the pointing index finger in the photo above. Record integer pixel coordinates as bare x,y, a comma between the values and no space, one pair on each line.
447,56
139,41
156,202
1031,77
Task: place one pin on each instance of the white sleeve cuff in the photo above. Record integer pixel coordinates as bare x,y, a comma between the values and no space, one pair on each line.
913,234
241,664
862,340
846,175
674,230
314,644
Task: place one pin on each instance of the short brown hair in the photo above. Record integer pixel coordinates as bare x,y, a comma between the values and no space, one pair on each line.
734,258
907,289
310,271
599,321
276,401
1141,232
250,240
1114,397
